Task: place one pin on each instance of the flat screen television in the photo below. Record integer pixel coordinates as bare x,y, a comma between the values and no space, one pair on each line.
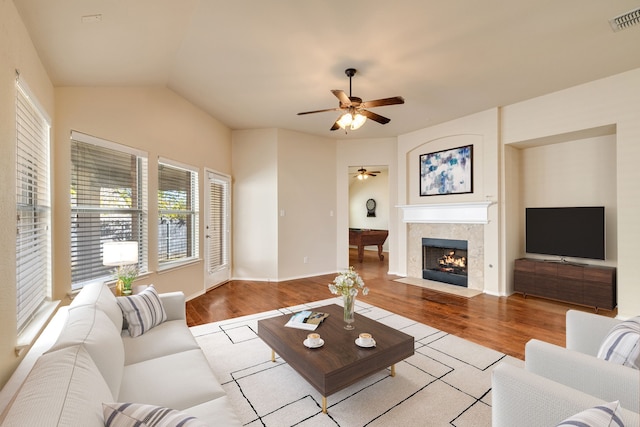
566,231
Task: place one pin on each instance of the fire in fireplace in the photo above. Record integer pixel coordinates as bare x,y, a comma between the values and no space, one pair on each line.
445,260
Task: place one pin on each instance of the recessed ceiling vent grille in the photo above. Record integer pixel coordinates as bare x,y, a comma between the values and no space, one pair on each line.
625,20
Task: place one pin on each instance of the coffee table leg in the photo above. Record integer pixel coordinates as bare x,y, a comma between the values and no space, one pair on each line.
273,356
393,370
324,405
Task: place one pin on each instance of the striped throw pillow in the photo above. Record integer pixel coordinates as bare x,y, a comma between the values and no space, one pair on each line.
622,344
142,311
599,416
140,415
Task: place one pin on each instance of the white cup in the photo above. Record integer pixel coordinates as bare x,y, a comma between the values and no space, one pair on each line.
366,339
313,339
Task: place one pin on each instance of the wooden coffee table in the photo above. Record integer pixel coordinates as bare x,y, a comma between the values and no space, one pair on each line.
339,362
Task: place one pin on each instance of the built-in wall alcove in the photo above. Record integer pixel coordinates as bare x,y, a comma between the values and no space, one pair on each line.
572,169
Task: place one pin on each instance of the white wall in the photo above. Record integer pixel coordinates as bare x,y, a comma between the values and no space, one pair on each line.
512,220
602,103
255,204
284,205
306,193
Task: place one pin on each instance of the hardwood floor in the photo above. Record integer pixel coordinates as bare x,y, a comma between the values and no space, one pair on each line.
502,323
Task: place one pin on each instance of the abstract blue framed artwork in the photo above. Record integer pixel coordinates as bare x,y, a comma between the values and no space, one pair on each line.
447,172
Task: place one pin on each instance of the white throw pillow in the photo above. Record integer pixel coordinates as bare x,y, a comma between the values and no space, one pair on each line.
606,415
142,311
141,415
622,344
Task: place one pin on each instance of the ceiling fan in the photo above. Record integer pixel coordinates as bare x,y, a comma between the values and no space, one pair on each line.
364,174
355,113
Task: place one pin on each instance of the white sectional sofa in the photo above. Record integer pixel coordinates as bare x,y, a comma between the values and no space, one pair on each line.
94,361
559,382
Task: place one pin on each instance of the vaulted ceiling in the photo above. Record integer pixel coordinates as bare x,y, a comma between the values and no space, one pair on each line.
256,63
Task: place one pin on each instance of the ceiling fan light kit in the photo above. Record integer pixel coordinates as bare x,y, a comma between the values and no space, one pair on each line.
355,114
351,121
364,174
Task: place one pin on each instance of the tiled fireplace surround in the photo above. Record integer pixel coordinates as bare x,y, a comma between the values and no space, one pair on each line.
452,221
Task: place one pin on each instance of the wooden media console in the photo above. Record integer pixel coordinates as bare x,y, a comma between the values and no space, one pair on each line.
593,286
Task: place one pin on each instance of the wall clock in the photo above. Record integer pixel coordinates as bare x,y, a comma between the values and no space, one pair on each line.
371,207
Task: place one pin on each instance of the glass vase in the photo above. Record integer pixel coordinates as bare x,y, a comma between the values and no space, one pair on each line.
126,289
349,306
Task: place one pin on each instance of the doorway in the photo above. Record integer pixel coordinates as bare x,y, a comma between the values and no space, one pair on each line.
369,204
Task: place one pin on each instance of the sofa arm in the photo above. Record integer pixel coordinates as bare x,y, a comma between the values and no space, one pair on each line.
523,399
586,331
174,305
597,377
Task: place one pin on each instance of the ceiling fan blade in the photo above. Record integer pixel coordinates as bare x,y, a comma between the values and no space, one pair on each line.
381,102
375,117
335,126
319,111
344,99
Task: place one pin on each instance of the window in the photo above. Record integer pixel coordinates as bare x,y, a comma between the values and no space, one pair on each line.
33,204
108,203
177,213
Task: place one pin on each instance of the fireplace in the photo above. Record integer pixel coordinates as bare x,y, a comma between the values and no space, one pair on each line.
445,260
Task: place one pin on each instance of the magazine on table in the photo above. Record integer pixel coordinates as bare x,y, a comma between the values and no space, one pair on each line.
307,319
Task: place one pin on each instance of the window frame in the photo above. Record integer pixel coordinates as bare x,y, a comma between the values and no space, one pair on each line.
193,199
33,213
138,211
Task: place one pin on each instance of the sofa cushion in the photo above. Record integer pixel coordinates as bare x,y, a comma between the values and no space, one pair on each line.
88,326
99,294
216,412
142,311
606,415
141,415
170,337
176,381
622,344
64,388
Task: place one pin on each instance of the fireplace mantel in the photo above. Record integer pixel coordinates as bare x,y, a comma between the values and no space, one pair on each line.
447,213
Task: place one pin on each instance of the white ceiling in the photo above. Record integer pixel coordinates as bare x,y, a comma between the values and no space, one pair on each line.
256,63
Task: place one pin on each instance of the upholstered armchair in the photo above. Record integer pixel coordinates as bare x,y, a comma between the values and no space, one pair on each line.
578,366
558,382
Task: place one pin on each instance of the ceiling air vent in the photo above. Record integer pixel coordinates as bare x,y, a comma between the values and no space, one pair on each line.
625,20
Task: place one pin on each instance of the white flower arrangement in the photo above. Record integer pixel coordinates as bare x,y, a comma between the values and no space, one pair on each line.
348,283
127,274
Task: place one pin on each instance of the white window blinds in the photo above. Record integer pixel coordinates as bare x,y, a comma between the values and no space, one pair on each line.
33,204
177,213
218,205
108,203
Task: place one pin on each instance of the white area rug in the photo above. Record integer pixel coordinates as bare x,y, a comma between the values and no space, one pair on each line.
447,382
460,291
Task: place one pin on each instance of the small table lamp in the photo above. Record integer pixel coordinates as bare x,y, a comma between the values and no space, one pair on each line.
119,254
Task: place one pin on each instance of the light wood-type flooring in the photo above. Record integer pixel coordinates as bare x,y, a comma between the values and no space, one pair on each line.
502,323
